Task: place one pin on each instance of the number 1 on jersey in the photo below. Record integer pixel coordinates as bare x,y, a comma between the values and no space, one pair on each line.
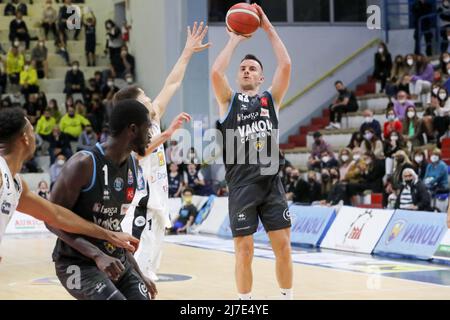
105,170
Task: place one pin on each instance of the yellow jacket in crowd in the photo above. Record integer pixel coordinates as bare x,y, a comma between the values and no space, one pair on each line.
73,126
29,76
14,64
45,127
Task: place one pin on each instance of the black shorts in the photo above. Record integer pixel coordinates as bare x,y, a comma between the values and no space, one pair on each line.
93,284
265,200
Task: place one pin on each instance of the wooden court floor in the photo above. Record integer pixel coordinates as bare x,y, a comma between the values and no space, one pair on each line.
26,272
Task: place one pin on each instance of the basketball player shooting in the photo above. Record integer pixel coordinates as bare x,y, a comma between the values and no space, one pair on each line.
18,145
99,185
254,196
154,209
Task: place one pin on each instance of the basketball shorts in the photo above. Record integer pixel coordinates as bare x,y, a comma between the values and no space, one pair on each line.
263,201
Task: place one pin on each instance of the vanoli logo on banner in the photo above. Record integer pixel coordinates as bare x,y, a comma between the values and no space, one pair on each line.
396,229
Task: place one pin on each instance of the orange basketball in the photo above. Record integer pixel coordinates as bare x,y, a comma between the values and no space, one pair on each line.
243,19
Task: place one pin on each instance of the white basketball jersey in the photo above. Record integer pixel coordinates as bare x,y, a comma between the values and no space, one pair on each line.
155,172
10,192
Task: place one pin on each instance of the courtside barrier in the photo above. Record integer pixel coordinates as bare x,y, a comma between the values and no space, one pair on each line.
412,234
22,224
357,230
215,218
442,254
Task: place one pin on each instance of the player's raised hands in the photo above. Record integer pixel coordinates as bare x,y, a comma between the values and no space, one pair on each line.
196,36
265,22
178,122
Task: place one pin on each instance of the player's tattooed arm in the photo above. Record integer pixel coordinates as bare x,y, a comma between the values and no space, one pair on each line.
151,286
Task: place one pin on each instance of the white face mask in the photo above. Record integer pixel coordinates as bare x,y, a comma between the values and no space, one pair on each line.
436,91
26,68
60,162
16,43
402,101
443,97
110,83
130,80
434,158
446,60
326,159
394,138
380,50
419,159
411,115
368,136
410,62
345,158
368,119
391,117
356,157
75,68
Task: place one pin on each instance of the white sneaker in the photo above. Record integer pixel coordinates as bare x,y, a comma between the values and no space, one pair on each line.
337,125
330,126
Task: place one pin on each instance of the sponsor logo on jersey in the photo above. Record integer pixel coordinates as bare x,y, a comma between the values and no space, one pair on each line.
112,224
118,184
143,289
130,177
287,215
258,129
141,180
252,116
241,217
109,247
139,222
6,208
264,102
243,98
124,209
259,145
130,194
244,107
7,181
265,113
99,287
106,195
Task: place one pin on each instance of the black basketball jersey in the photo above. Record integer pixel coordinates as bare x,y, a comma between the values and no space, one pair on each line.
250,133
104,202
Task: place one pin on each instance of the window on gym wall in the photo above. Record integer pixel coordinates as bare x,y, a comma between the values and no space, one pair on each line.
276,10
350,10
218,9
312,11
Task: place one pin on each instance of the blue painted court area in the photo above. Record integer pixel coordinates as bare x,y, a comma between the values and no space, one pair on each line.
413,270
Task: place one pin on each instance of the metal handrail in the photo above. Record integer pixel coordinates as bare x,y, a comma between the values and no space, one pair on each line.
330,73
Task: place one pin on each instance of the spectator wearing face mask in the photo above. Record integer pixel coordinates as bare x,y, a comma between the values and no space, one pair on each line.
328,160
18,31
72,124
356,141
125,65
441,120
345,160
175,181
109,90
39,55
421,81
354,173
413,194
187,214
436,176
383,65
344,103
87,139
318,147
45,126
420,164
292,184
443,61
14,65
74,80
370,122
372,144
392,124
114,41
444,15
307,192
401,104
59,143
401,163
413,127
325,182
338,190
392,144
194,179
56,168
397,72
29,80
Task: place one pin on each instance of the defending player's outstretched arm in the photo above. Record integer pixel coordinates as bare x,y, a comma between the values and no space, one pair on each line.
61,218
160,139
194,43
282,77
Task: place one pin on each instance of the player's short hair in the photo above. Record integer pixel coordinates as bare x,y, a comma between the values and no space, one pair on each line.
338,82
254,58
127,93
188,190
126,113
12,123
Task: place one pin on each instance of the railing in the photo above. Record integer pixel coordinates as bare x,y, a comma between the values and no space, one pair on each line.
331,72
